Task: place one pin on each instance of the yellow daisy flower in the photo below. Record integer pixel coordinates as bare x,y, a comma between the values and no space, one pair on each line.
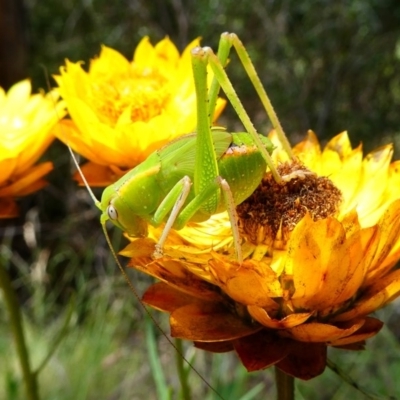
319,252
26,123
124,110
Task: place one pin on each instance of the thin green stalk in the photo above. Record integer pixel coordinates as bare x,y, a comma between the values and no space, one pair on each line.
30,378
58,339
183,372
155,363
284,385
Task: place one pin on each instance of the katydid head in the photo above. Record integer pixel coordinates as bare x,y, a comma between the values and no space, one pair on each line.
115,209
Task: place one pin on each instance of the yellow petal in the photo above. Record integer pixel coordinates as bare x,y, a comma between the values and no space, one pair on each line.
144,53
109,60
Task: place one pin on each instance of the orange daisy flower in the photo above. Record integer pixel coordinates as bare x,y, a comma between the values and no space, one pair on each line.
124,110
318,250
26,123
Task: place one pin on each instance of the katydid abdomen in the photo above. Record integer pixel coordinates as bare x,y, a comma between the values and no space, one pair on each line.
136,200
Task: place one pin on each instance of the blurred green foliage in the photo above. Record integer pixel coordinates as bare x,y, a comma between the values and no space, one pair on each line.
327,65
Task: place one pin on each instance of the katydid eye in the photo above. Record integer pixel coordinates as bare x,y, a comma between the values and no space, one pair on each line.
112,212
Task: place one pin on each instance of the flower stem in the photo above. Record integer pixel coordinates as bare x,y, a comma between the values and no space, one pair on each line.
12,305
182,372
284,385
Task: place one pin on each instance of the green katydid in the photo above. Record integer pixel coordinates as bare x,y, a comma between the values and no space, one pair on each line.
201,174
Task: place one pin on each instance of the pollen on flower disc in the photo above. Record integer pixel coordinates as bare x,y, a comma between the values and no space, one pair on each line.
274,208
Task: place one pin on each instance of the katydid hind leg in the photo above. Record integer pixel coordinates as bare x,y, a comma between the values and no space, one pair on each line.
258,86
231,209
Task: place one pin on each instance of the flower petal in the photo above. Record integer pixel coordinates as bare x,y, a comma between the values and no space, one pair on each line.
261,315
305,361
215,347
316,332
370,328
19,187
252,283
8,208
376,296
261,350
166,298
208,323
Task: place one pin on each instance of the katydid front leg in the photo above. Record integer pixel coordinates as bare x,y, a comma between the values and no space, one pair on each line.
178,219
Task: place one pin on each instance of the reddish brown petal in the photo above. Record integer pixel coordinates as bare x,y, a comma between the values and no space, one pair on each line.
305,361
370,328
261,350
353,346
166,298
8,208
208,322
215,347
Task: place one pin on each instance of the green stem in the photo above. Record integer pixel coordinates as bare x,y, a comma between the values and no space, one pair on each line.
182,371
284,385
12,305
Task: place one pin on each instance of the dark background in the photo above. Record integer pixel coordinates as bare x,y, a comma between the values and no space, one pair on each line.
328,65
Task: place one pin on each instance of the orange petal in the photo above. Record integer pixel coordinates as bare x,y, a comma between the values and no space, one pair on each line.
319,259
169,271
389,233
305,361
316,332
20,186
166,298
7,167
252,283
261,350
289,321
208,323
96,175
370,328
140,251
32,188
382,292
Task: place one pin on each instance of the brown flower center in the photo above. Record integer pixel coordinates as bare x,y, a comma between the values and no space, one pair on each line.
143,94
274,209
